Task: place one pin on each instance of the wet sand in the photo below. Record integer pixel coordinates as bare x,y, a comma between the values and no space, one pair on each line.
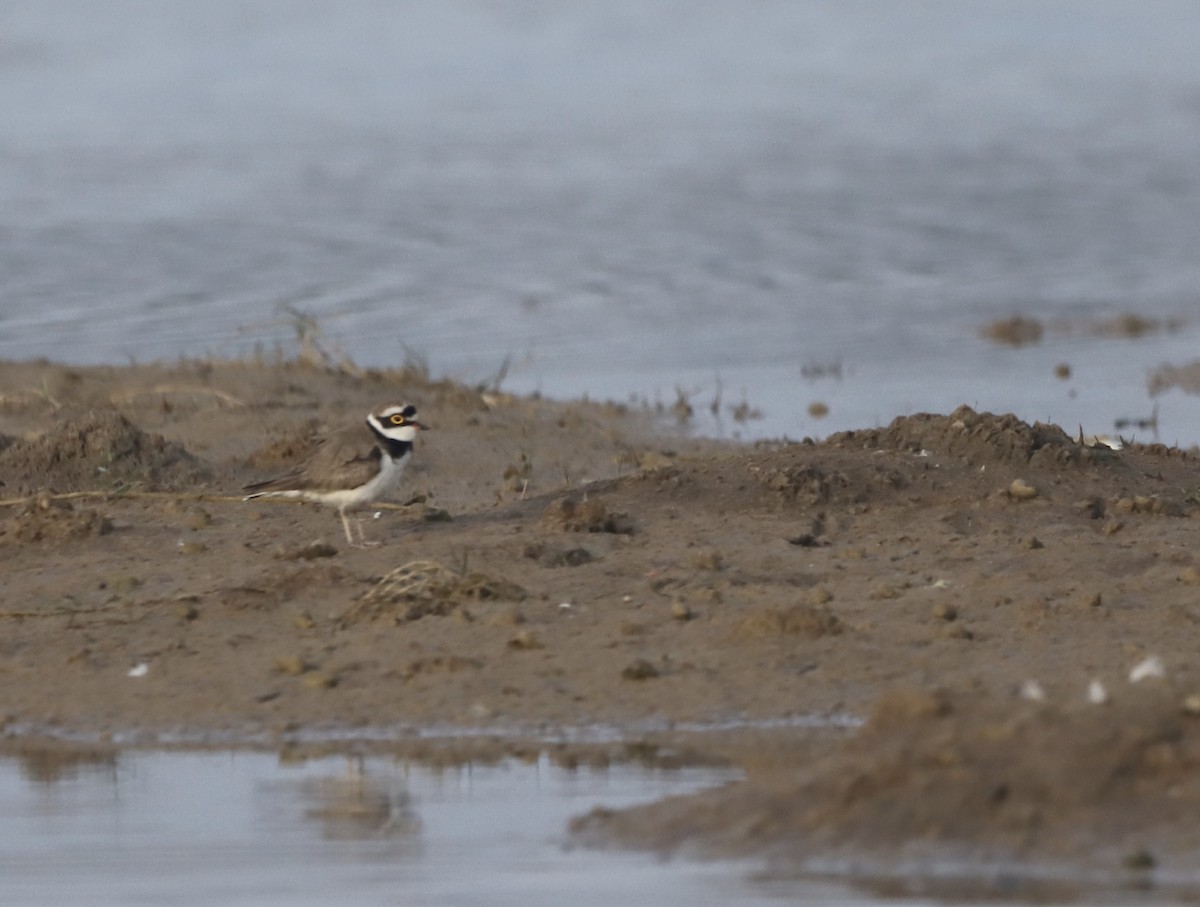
958,580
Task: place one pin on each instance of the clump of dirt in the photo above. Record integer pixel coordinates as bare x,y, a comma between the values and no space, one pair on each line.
423,588
979,439
588,515
805,483
808,484
99,449
806,621
552,556
48,520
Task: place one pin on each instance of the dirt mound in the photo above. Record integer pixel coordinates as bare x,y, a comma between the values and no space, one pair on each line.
998,772
984,777
98,450
979,439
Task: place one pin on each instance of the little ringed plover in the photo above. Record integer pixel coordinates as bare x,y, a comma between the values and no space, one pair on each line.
351,468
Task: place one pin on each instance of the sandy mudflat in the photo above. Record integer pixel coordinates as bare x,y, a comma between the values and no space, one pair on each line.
561,566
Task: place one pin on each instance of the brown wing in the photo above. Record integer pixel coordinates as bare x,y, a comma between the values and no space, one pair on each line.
345,459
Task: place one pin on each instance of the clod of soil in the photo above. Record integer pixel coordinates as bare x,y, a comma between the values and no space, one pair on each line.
805,621
588,515
49,521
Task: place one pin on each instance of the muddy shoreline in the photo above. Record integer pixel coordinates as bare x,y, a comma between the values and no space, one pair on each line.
977,589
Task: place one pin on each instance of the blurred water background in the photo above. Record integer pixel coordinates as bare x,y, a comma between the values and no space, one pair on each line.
769,202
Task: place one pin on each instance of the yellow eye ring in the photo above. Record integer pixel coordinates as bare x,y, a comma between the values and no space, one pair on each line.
397,419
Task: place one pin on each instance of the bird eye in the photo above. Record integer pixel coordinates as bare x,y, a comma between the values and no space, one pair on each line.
397,419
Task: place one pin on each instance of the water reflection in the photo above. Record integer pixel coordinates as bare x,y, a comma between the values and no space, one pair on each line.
355,804
58,763
99,827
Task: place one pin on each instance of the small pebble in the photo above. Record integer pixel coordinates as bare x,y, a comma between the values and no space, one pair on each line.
1033,691
819,595
680,611
639,670
1096,694
1140,860
512,617
1021,490
120,582
944,611
1190,576
319,680
525,640
308,552
289,664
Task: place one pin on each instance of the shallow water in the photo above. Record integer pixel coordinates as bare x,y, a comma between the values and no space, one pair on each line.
248,828
251,828
784,204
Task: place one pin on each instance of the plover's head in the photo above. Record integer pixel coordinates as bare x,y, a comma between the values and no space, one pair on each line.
397,421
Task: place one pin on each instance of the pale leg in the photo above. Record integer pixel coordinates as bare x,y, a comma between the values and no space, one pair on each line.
350,540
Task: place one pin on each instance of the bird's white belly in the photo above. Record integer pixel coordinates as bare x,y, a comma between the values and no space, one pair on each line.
381,486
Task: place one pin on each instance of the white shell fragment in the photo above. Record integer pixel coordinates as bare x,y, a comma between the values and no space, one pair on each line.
1147,669
139,670
1096,694
1033,691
